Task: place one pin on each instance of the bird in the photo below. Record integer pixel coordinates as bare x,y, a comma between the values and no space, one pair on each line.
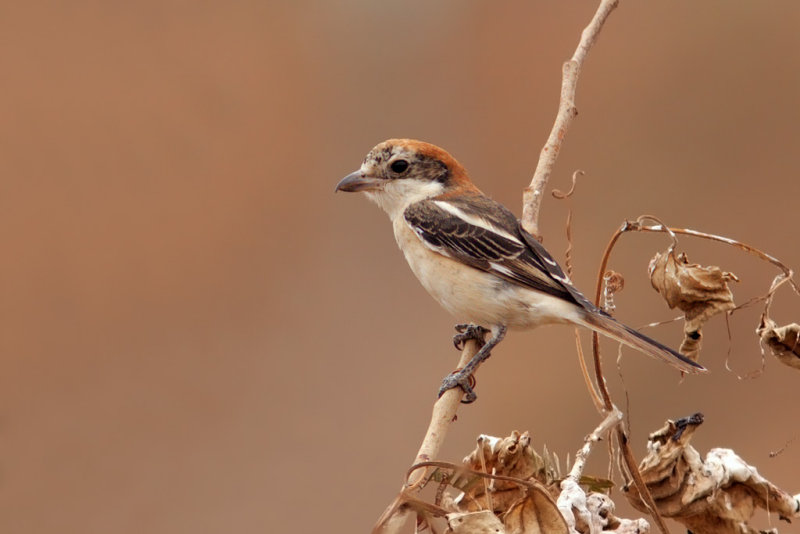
473,256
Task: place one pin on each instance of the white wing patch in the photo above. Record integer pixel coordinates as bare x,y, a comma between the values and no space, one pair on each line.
565,279
501,268
480,222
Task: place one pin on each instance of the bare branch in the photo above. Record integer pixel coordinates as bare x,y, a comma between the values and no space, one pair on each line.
532,196
444,411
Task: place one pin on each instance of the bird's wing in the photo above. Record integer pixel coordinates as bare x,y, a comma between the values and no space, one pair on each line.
487,237
483,234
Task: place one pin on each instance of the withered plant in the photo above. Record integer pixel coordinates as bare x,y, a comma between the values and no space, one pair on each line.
505,486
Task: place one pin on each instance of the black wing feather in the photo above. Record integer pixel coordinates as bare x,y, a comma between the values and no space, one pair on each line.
556,271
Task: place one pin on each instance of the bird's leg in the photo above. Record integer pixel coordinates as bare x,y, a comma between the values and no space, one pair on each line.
461,377
468,331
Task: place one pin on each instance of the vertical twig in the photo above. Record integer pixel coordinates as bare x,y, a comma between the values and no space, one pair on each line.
532,195
445,408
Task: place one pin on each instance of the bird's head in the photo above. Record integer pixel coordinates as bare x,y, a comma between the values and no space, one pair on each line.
399,172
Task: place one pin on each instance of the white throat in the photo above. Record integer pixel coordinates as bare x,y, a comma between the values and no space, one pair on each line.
398,194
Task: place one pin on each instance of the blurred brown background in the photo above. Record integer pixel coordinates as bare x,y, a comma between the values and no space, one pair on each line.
199,336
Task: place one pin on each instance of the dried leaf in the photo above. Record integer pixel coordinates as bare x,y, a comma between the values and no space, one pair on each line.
718,494
699,292
481,522
783,341
535,514
511,456
520,487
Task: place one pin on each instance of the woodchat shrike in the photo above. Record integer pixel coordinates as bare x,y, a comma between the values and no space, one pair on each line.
471,254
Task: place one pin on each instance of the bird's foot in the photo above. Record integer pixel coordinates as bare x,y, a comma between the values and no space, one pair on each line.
460,379
467,332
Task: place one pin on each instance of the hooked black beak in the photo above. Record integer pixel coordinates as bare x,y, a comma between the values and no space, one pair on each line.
356,181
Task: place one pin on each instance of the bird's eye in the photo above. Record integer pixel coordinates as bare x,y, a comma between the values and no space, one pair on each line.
399,166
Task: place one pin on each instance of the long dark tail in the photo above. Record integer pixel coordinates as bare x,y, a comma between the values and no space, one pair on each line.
608,326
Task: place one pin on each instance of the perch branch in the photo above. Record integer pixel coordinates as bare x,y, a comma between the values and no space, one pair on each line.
444,411
532,195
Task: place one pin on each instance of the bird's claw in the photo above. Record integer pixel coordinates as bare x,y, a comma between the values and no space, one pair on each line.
467,332
458,379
